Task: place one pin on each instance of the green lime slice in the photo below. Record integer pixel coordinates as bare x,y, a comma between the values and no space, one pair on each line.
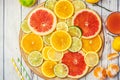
62,26
46,39
61,70
76,45
79,4
74,31
27,3
35,58
50,4
24,27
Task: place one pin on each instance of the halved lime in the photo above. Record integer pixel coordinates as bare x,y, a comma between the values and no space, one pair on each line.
24,27
50,4
79,4
61,70
46,39
35,58
54,55
62,26
76,44
74,31
27,3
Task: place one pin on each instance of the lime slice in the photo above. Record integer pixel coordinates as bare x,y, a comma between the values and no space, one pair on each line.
27,3
79,4
46,39
24,27
76,45
62,26
50,4
61,70
35,58
91,59
69,21
74,31
54,55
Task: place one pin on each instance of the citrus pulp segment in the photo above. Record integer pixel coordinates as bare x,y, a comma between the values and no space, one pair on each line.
48,69
54,55
76,45
93,44
76,64
64,9
24,27
31,42
61,70
91,59
42,21
60,40
89,21
35,58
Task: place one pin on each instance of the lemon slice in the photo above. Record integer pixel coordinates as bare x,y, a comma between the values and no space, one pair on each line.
91,59
78,5
61,70
35,58
74,31
50,4
69,21
46,39
54,55
45,51
62,26
76,45
24,27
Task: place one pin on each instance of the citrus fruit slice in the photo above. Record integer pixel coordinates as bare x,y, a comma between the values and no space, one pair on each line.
69,21
45,52
93,44
46,39
88,21
116,44
42,21
91,59
27,3
112,70
35,58
62,26
76,64
74,31
76,45
54,55
24,27
78,5
61,70
50,4
112,56
31,42
100,73
64,9
48,69
92,1
60,40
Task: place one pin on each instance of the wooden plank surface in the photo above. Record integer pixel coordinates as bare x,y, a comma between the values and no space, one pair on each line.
11,16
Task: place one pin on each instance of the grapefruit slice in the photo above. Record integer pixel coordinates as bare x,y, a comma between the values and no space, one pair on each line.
88,21
42,21
76,64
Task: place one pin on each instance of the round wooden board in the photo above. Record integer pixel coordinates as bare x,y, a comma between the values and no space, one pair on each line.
37,70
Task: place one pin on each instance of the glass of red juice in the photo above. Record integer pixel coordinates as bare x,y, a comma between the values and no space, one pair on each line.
113,23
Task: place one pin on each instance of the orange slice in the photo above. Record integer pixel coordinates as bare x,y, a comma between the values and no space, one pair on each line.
112,56
112,70
31,42
60,40
93,44
64,9
45,52
99,73
48,69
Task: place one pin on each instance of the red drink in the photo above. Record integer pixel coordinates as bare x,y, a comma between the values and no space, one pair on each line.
113,23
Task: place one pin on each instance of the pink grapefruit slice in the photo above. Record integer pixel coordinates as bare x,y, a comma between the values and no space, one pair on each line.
76,64
42,21
89,21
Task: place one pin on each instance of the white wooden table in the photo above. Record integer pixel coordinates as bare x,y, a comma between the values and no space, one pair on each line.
11,15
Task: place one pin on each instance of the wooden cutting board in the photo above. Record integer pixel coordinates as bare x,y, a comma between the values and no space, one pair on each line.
37,70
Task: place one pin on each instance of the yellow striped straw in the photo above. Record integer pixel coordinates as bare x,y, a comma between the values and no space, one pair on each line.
17,70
